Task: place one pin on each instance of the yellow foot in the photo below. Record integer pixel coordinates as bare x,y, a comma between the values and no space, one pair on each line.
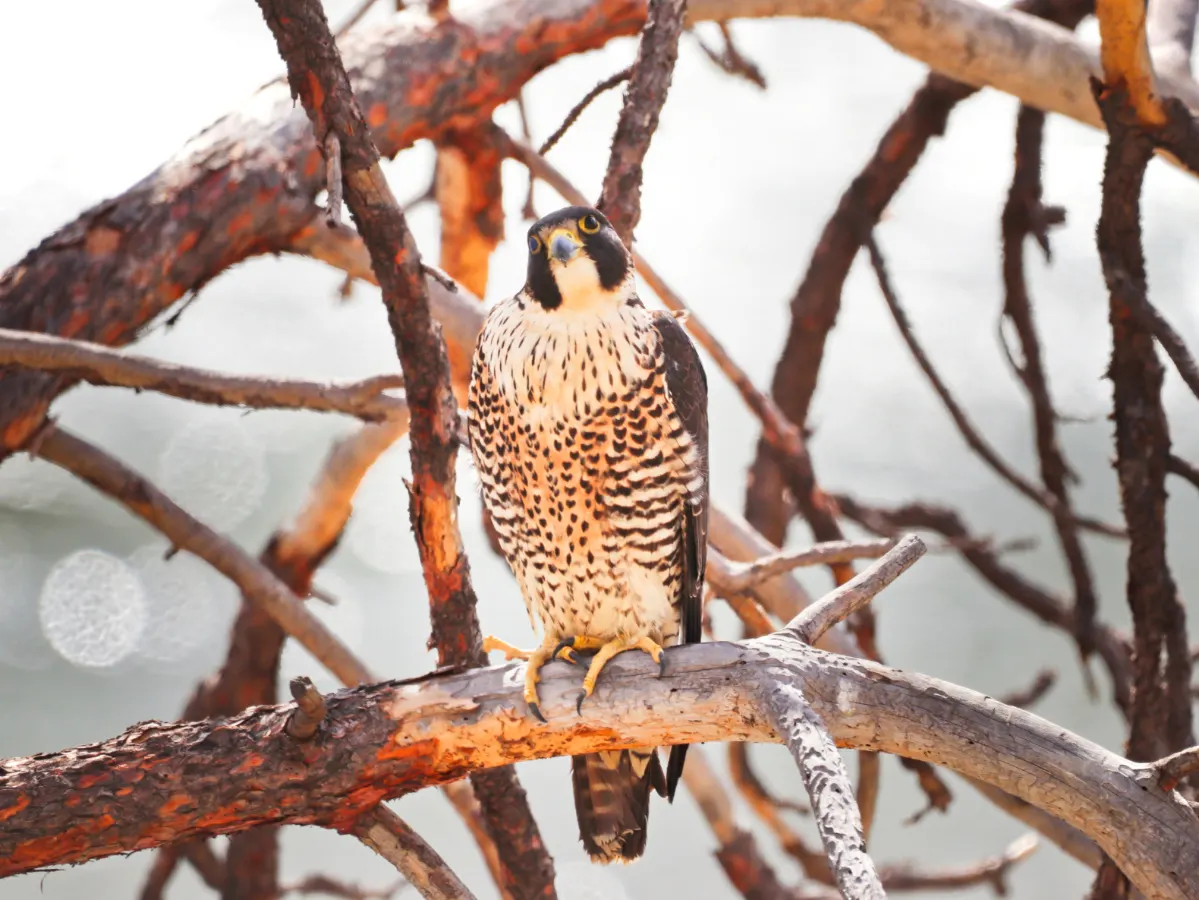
494,643
611,649
537,658
583,642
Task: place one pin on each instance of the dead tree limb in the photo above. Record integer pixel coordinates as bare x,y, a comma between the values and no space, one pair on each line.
469,195
423,868
318,77
1024,215
97,364
381,741
1161,709
644,97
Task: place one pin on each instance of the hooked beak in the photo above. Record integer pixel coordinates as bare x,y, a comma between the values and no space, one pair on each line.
564,246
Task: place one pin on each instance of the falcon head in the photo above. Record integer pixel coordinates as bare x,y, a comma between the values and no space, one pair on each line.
577,262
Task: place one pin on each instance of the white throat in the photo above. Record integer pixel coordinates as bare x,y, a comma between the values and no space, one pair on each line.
579,284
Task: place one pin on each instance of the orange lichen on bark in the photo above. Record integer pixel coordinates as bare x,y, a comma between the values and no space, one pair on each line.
10,811
1124,52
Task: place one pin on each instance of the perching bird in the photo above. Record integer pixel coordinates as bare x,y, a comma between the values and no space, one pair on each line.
589,429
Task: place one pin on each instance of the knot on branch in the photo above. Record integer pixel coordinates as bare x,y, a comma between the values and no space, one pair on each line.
304,723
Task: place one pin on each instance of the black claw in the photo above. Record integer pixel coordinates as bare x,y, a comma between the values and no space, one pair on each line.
579,702
536,711
567,644
662,666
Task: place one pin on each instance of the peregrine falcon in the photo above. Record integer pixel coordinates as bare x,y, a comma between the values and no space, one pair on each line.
589,429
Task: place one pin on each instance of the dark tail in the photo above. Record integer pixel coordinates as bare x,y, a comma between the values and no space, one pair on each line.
612,801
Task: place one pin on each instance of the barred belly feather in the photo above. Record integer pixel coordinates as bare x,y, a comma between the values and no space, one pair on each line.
584,468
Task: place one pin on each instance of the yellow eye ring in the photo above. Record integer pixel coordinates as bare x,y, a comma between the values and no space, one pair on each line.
534,244
589,224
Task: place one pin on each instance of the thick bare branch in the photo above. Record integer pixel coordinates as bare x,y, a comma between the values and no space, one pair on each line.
385,740
1124,55
97,364
318,77
1160,719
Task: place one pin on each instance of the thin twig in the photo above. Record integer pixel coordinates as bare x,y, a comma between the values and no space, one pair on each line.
620,199
992,871
843,602
354,17
1026,697
577,110
1178,466
1171,341
744,576
1111,646
333,182
976,442
730,59
100,365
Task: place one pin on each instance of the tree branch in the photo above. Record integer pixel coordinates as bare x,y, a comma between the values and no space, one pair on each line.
1161,709
824,775
644,97
847,599
744,576
97,364
382,741
389,836
318,78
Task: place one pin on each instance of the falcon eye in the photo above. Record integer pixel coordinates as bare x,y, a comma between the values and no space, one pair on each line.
589,224
534,244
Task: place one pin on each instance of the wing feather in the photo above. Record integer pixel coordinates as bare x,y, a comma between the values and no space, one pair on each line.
687,386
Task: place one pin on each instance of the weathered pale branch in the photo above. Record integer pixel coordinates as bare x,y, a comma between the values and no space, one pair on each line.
811,624
1176,767
1171,34
384,740
97,364
992,871
744,576
389,836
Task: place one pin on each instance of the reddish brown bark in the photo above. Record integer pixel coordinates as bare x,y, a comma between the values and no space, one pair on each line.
1161,702
644,98
245,185
317,76
1023,215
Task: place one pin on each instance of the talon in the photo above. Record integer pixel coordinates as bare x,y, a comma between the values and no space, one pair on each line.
661,664
567,654
579,702
536,711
